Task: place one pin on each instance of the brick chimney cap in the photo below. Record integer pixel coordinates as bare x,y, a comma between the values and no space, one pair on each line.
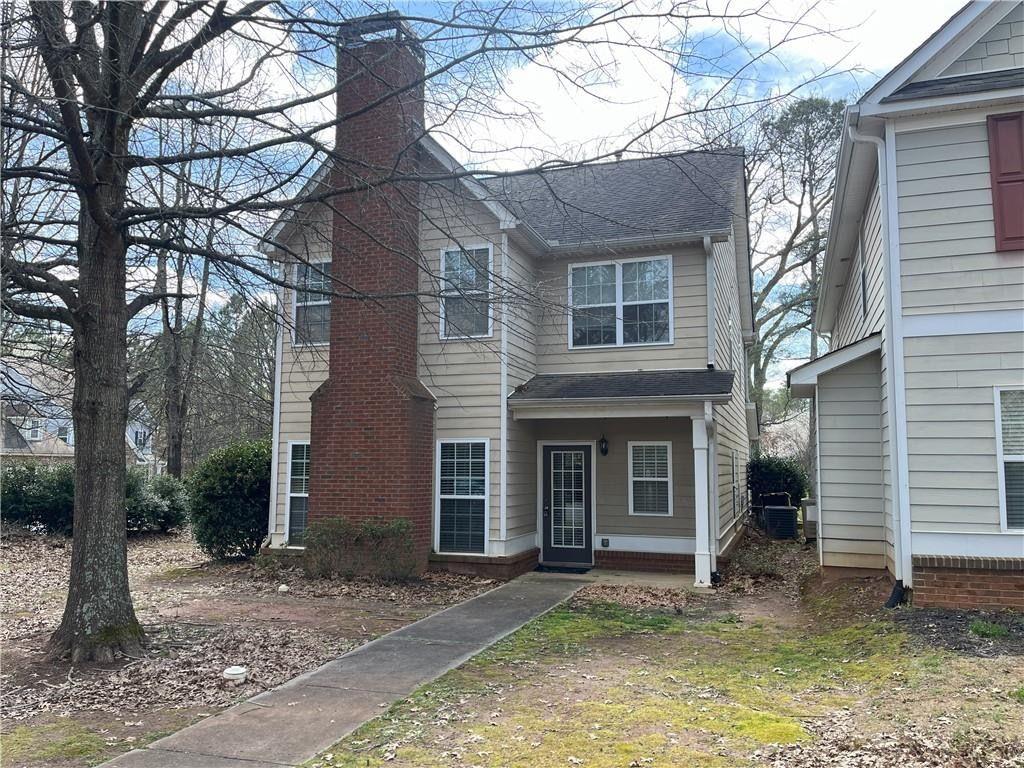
366,29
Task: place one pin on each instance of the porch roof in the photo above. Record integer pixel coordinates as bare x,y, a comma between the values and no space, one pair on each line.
633,386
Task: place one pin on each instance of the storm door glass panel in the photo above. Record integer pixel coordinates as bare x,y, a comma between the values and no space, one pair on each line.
1011,420
462,486
568,505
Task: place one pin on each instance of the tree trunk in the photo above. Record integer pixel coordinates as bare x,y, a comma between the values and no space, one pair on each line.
99,619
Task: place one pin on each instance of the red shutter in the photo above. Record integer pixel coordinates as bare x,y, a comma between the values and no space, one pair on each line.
1006,162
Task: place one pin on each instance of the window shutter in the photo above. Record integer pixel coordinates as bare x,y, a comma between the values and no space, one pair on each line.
1006,163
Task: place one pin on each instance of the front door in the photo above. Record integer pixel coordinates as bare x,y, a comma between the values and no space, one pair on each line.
565,514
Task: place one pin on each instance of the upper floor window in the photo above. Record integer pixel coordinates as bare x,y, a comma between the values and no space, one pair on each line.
140,439
465,293
1010,445
64,433
312,303
621,303
34,429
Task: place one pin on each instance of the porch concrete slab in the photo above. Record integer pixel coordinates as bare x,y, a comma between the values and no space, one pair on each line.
292,723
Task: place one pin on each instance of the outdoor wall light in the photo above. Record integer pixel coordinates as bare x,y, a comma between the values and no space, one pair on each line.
602,445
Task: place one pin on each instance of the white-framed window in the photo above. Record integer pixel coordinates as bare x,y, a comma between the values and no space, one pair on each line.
620,303
1010,454
298,492
466,311
312,314
462,496
33,429
64,433
650,478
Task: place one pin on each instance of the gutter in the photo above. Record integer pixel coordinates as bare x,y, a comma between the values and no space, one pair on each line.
722,397
893,346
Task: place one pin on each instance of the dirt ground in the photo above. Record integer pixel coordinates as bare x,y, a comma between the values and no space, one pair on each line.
777,668
200,617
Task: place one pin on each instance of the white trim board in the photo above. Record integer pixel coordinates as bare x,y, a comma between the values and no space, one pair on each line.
515,545
666,545
978,544
964,323
803,380
276,537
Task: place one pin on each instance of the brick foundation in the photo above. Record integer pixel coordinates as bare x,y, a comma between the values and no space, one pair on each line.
989,583
491,567
644,561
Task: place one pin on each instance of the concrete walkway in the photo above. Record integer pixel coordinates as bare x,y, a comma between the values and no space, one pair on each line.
290,724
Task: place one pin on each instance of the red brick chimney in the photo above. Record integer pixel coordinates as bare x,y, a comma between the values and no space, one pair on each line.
372,420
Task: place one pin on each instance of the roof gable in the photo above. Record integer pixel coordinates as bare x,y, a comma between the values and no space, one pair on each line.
938,55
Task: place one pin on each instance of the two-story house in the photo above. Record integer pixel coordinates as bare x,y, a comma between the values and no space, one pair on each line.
921,400
36,424
537,368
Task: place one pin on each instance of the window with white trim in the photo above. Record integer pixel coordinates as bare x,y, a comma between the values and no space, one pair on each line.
64,433
1010,408
650,479
620,303
298,492
34,429
465,293
462,496
312,303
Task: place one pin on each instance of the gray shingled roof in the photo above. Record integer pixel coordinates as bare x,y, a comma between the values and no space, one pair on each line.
951,86
637,385
631,198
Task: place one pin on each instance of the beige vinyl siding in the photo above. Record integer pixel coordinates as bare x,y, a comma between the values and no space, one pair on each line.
611,471
852,529
951,427
689,320
999,48
463,374
851,322
303,368
947,237
521,360
730,417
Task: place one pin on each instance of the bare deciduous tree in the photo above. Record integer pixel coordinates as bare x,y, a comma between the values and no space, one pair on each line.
93,86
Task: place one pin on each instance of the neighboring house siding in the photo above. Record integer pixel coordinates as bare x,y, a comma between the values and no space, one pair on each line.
947,236
463,374
612,504
689,319
850,450
732,442
852,324
303,368
951,427
999,48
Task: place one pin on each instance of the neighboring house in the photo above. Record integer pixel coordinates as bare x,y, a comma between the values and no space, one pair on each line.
567,386
921,400
35,416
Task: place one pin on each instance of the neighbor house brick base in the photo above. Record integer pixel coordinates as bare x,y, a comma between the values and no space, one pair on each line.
644,561
990,583
492,567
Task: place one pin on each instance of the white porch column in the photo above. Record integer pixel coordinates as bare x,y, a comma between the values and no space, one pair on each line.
702,554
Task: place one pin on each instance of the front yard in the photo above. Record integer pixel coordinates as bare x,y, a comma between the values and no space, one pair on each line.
776,669
200,617
781,671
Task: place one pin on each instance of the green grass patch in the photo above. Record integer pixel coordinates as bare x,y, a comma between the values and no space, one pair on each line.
62,740
1018,695
988,629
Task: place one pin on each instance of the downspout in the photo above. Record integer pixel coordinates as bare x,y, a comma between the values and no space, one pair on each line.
896,428
712,319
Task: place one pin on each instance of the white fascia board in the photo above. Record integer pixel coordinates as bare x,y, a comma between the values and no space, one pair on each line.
506,219
918,61
275,234
938,104
608,409
804,380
